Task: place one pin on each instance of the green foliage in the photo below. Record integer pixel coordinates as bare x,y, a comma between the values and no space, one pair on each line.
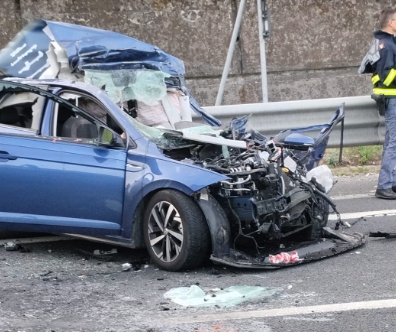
367,152
333,160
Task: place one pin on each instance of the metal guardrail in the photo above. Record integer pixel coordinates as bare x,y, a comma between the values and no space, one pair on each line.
363,125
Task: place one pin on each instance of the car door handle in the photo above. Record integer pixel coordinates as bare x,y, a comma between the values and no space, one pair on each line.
134,168
6,156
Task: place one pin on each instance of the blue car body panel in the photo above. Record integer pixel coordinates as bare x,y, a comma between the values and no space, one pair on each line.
148,170
61,186
62,180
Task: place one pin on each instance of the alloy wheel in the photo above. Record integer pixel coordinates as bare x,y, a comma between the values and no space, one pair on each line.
165,231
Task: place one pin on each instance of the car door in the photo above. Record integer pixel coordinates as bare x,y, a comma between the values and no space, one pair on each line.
59,179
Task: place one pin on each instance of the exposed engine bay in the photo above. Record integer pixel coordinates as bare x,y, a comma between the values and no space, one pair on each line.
267,200
275,211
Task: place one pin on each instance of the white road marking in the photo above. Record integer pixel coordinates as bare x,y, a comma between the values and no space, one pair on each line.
281,312
357,196
37,239
308,319
364,214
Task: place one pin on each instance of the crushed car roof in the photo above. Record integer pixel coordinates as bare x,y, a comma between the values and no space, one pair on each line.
46,49
84,46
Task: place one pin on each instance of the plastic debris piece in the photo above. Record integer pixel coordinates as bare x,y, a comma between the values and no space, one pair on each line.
126,267
194,296
284,258
323,176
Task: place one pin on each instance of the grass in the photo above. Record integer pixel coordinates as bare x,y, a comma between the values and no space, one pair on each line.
367,153
355,160
355,170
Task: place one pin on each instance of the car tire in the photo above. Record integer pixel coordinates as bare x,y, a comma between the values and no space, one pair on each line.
176,234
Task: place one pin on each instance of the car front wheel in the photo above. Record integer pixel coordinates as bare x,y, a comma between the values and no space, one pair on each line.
175,231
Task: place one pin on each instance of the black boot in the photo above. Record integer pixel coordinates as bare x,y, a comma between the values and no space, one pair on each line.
386,193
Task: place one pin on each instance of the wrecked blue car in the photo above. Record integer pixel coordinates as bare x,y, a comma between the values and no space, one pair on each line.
97,140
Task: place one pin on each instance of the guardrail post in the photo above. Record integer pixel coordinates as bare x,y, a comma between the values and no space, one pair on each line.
341,141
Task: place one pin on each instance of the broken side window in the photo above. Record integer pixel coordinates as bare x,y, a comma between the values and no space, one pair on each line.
21,109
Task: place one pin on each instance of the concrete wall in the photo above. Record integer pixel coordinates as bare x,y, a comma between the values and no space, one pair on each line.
314,50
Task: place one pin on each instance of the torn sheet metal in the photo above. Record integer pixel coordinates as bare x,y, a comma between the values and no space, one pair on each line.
41,49
169,139
83,46
213,140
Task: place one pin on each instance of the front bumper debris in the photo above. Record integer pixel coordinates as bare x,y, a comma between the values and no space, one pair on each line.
333,243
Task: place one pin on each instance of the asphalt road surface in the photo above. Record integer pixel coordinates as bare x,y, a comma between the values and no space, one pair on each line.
57,286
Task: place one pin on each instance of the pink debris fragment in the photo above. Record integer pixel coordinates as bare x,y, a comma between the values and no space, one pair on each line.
284,258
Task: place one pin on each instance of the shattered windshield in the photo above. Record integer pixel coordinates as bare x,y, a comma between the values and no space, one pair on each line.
147,86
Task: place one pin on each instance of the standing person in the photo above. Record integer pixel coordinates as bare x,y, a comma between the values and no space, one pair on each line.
381,61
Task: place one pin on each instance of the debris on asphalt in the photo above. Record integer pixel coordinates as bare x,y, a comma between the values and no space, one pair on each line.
99,252
136,267
105,255
216,289
383,234
12,246
126,267
284,257
194,296
15,246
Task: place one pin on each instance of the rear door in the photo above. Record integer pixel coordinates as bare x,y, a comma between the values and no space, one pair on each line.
54,176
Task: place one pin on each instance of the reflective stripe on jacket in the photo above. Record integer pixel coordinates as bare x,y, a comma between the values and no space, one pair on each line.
384,70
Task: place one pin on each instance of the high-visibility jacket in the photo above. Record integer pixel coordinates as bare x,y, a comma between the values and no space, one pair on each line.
383,66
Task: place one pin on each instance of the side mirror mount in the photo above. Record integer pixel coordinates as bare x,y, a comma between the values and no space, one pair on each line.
109,138
106,137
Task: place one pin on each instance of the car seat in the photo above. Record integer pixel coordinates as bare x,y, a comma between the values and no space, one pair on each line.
79,127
